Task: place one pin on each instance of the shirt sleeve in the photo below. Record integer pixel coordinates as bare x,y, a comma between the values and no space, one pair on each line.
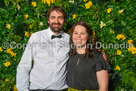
24,67
101,63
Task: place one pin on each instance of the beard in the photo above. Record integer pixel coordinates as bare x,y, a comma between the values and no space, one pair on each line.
56,29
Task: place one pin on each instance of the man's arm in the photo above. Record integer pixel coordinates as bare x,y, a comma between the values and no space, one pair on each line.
104,55
24,67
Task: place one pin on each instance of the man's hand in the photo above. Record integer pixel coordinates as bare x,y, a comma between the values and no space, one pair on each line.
104,55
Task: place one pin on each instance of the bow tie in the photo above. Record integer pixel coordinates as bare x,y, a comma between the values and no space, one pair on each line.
54,36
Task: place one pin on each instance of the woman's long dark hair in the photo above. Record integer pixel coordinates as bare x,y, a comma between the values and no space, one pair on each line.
90,44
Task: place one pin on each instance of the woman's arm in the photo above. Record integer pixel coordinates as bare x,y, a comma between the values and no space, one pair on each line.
102,78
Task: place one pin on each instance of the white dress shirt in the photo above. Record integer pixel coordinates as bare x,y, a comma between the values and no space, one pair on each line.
43,63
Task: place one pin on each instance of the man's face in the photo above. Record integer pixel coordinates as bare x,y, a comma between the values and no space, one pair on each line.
56,21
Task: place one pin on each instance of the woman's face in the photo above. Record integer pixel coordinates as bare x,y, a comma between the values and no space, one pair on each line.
79,36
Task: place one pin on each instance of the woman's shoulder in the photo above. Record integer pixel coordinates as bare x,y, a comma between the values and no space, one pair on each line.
97,54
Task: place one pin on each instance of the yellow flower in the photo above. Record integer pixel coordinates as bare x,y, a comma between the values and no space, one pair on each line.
123,36
134,51
6,80
1,49
131,47
18,7
50,1
71,1
26,34
15,88
30,27
43,1
41,24
119,52
102,24
53,1
93,33
119,36
13,54
120,11
8,26
117,68
7,64
109,10
26,16
88,5
85,0
111,31
31,33
9,50
33,4
130,41
74,16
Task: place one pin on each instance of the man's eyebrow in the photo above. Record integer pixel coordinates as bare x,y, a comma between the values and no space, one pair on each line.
61,16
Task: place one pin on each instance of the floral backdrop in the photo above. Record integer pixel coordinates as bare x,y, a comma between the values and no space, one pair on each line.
113,23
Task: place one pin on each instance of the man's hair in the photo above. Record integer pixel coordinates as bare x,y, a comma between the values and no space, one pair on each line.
57,8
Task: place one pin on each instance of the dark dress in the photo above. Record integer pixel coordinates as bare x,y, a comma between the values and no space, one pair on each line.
82,73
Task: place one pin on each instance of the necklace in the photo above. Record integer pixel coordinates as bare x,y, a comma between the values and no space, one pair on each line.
78,61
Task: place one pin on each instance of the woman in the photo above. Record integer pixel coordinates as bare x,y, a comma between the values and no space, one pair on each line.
87,69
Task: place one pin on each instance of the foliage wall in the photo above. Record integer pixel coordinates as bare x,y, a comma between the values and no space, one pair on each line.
113,22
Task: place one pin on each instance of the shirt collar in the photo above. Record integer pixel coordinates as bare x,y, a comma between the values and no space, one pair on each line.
50,33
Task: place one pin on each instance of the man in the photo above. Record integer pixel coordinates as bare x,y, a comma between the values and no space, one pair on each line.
43,63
